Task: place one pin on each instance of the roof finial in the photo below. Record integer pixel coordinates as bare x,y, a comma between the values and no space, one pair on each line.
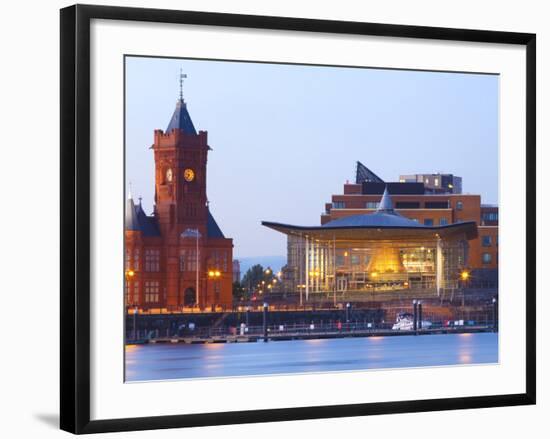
386,204
182,77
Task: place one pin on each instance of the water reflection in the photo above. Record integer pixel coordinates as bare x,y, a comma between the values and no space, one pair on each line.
173,361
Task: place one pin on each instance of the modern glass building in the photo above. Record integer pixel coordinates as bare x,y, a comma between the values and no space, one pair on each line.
380,251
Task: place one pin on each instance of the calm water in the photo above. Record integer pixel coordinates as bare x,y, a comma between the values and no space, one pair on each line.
173,361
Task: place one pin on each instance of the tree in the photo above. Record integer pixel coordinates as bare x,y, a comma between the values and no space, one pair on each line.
238,291
257,278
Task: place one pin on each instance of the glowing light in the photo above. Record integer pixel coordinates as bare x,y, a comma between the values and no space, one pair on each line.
374,274
130,273
465,275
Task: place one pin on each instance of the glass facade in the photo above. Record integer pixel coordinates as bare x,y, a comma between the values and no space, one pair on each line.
373,265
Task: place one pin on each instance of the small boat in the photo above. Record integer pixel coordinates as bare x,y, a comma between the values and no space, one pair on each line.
405,322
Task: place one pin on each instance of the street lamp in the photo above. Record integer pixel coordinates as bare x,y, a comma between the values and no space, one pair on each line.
415,315
214,274
464,277
129,274
265,307
495,306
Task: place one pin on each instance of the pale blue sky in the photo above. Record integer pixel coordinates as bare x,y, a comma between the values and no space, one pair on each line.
285,137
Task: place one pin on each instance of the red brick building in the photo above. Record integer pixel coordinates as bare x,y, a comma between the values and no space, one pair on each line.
177,258
414,201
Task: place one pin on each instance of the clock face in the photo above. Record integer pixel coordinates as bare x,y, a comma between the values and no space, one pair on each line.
189,175
169,175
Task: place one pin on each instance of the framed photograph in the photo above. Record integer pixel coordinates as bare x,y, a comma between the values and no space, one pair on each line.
273,218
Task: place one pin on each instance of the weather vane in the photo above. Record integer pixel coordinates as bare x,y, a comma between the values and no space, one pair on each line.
182,77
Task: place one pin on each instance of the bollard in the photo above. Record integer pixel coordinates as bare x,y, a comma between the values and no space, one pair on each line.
135,322
415,315
420,315
495,314
265,321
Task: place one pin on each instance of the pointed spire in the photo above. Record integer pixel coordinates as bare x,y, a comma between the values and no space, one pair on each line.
130,190
180,118
386,204
131,221
182,77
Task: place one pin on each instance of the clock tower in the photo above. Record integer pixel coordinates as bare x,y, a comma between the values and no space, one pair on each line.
180,174
192,243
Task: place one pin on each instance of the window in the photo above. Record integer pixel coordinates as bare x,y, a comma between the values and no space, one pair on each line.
428,222
136,292
459,205
486,258
191,260
182,260
486,241
127,259
372,204
217,291
136,259
355,259
407,205
191,210
151,291
436,204
338,205
339,260
224,261
132,263
152,260
436,182
127,293
490,216
443,221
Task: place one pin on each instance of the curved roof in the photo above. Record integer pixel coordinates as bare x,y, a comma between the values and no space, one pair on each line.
385,216
377,219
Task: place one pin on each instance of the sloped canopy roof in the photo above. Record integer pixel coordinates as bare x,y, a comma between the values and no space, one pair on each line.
385,223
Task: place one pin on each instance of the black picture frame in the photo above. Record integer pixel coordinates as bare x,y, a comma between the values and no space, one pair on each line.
75,217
